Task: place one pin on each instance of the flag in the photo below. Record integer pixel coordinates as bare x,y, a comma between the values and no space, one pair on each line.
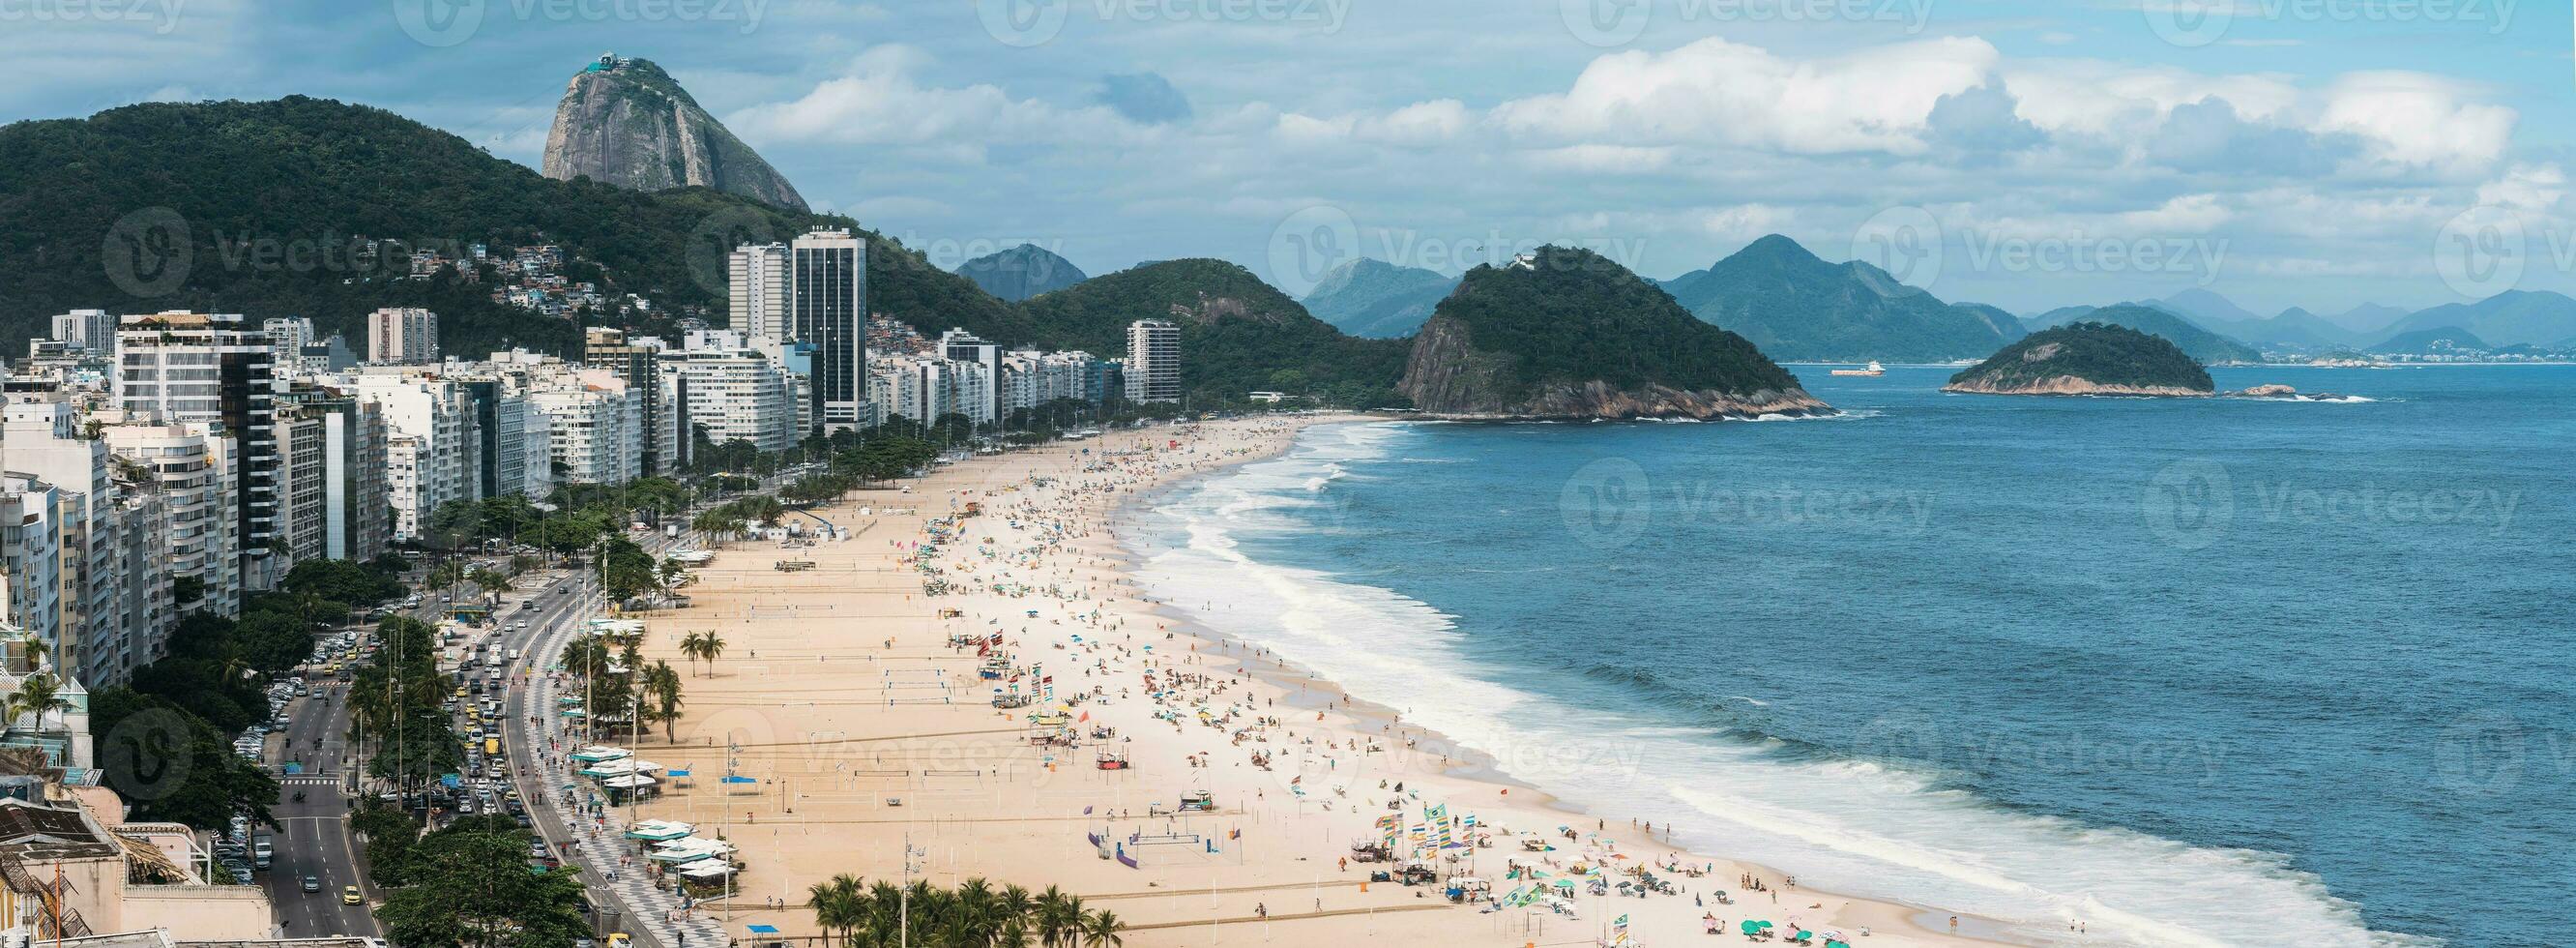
1619,930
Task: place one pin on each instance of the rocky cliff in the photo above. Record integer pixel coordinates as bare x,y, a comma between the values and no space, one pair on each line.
1565,333
628,123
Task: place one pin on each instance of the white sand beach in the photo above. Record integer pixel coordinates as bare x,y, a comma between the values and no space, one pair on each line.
855,700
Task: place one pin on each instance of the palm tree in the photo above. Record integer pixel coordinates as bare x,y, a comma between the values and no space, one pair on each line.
711,647
1014,934
662,684
1101,930
690,646
839,904
490,581
40,693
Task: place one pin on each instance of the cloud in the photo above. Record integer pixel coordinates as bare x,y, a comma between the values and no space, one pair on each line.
1978,124
2208,136
1721,93
2526,187
1144,97
2418,120
879,102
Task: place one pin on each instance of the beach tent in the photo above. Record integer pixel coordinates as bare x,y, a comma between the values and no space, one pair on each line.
593,755
762,929
630,781
706,870
659,831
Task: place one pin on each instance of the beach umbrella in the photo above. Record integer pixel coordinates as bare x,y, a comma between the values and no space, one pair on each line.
1752,927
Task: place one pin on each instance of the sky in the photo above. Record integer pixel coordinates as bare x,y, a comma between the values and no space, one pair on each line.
2312,153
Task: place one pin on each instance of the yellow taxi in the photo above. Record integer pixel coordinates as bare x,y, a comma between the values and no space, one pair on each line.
349,895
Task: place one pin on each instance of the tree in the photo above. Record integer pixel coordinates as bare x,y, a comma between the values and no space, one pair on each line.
489,580
1101,930
473,889
40,694
691,645
710,648
662,688
170,765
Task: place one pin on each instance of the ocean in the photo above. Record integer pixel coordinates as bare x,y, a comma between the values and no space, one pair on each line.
2218,671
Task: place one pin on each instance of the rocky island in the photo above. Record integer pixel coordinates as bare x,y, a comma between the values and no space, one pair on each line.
2087,358
1564,333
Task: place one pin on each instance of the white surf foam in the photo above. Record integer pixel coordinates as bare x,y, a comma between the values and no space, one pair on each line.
1849,826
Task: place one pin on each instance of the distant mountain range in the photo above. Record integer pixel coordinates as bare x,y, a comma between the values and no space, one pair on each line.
2435,341
1021,272
1799,308
1376,299
2201,344
2542,320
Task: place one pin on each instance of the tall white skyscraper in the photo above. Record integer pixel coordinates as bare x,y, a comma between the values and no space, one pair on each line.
90,329
757,274
198,368
828,308
402,335
1153,361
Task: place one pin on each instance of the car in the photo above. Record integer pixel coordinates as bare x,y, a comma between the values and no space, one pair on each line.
349,895
620,940
312,883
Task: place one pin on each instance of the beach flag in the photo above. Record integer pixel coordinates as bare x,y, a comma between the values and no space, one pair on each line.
1619,930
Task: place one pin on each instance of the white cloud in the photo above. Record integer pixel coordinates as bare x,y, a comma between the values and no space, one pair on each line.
1717,92
2527,187
880,103
2418,120
1603,159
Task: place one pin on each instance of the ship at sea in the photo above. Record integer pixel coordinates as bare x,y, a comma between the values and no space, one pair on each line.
1874,370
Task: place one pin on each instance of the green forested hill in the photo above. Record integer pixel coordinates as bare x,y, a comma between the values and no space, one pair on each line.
1238,334
2102,354
254,207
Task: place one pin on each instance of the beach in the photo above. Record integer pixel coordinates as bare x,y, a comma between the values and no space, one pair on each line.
852,707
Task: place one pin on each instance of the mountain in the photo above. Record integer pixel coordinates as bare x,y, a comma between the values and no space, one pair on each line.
1565,333
2087,358
2439,340
2298,330
1377,299
2209,309
2513,316
628,123
265,208
2367,318
1799,308
2208,347
1021,272
1238,334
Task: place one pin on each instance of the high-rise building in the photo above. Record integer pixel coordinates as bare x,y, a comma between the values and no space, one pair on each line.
187,468
197,368
593,429
501,416
758,284
336,489
663,446
402,335
1153,361
433,444
31,557
736,393
958,345
42,440
828,307
90,329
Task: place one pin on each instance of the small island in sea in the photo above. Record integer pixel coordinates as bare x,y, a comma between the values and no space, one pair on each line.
2087,358
1564,333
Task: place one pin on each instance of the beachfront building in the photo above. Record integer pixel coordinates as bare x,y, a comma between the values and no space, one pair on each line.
402,335
734,392
1030,378
636,361
828,309
958,345
212,369
594,428
1153,361
31,558
758,285
433,444
926,389
187,470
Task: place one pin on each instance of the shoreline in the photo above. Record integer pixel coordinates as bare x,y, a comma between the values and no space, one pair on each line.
923,763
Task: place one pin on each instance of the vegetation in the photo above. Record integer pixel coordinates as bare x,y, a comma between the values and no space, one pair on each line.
972,915
1238,334
1571,316
2203,346
269,205
170,765
395,706
469,886
2100,353
1798,307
